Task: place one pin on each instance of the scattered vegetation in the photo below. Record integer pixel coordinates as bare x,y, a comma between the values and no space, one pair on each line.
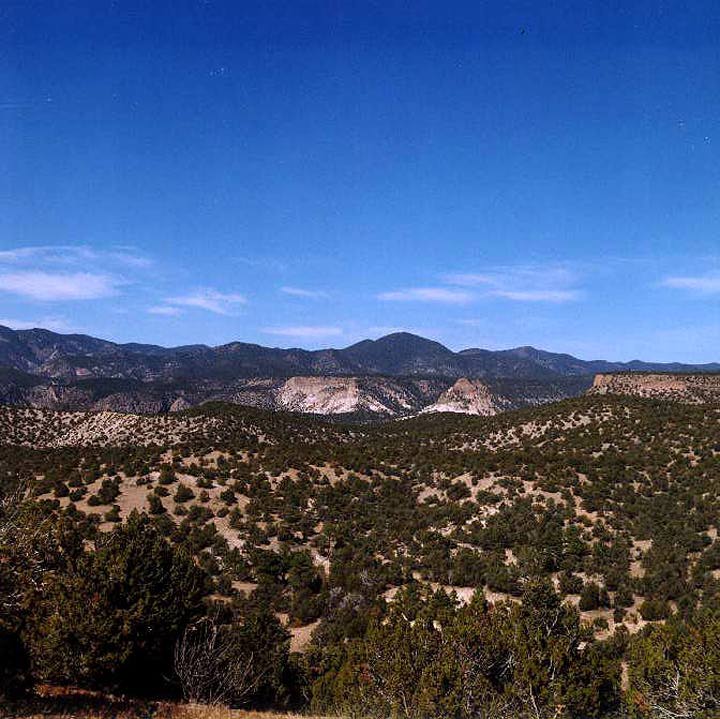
445,566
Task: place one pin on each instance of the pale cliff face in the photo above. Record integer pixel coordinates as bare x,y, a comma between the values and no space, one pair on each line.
602,380
345,395
468,397
320,395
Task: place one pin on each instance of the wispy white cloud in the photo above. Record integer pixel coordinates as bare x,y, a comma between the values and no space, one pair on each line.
525,283
537,295
263,263
128,256
704,284
304,331
82,255
469,279
472,322
67,272
165,310
59,286
531,283
17,255
220,303
428,294
382,330
552,275
56,324
300,292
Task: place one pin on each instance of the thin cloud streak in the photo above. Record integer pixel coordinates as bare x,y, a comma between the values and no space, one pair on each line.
304,331
165,311
219,303
300,292
428,294
531,283
708,284
537,295
55,287
56,324
40,256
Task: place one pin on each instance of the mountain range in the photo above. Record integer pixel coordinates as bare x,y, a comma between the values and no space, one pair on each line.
398,374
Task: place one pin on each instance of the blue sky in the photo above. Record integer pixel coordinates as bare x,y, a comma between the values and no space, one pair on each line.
308,174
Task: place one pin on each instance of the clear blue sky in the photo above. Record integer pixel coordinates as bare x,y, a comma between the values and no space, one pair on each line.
311,173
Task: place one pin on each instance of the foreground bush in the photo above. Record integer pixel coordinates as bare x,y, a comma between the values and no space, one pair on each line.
130,612
674,669
428,659
111,619
234,660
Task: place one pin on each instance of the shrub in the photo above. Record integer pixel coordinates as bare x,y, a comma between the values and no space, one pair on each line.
652,610
108,492
183,494
570,583
236,662
113,514
77,494
428,659
110,621
675,667
624,596
167,474
155,504
593,597
228,496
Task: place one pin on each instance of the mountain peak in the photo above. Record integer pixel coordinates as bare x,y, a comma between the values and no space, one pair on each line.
398,354
408,339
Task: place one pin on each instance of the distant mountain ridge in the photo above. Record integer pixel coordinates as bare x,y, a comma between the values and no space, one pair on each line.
398,374
66,356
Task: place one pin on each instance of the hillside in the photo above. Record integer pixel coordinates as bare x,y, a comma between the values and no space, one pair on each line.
613,500
570,464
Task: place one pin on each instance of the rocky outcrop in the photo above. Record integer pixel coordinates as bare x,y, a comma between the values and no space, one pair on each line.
369,396
701,388
350,395
325,395
469,397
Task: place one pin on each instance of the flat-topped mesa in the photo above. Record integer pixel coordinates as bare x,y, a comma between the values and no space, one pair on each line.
700,388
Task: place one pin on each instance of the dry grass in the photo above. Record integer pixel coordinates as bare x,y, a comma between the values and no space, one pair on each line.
204,712
120,709
60,703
